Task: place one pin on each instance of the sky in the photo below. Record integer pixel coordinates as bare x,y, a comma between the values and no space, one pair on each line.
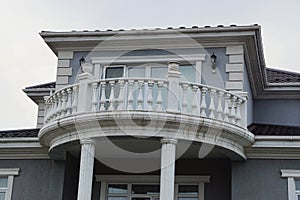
26,60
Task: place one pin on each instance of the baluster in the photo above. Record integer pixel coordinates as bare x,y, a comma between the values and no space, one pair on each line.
159,96
203,102
121,105
103,97
130,95
52,109
195,109
212,104
63,103
220,108
59,102
47,108
150,96
75,100
238,112
69,103
112,95
94,98
140,96
226,107
184,99
232,110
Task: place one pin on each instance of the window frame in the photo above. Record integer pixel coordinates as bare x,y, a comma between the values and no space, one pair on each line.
292,176
8,173
148,179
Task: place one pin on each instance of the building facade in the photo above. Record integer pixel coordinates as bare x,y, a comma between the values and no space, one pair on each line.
185,114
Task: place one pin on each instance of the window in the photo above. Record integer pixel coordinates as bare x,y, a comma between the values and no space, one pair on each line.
148,188
293,177
6,182
117,71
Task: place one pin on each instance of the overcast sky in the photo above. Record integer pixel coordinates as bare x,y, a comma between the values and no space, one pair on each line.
26,60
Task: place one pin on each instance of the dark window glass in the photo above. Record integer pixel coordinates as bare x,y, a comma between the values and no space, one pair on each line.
145,189
188,189
297,182
114,72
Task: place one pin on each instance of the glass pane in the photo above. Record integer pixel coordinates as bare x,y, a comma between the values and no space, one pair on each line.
117,189
188,189
2,195
159,72
188,73
3,182
297,182
140,198
145,189
188,198
117,198
136,72
114,72
298,197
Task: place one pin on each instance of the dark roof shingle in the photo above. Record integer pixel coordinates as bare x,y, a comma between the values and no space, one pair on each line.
44,85
268,129
281,76
19,133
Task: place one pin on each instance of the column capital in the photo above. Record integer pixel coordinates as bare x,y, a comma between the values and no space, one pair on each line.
87,141
168,141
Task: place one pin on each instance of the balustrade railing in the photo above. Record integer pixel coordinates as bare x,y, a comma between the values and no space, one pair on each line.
144,94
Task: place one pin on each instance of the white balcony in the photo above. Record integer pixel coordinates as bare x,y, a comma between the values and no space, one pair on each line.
158,107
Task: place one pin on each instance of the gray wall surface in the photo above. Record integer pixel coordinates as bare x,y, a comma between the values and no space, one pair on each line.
218,79
260,179
38,179
280,112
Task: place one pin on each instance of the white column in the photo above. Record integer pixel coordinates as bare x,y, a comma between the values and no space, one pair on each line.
167,174
86,169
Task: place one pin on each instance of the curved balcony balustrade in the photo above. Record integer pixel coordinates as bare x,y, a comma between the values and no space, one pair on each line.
198,107
140,94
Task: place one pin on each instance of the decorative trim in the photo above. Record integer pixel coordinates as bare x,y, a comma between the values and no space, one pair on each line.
236,64
65,55
22,148
274,147
145,59
9,171
150,178
291,175
168,141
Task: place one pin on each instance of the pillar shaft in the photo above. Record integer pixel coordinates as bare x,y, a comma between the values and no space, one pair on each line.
86,169
167,176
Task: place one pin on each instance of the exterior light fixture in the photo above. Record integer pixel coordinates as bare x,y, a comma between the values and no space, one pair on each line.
81,60
213,59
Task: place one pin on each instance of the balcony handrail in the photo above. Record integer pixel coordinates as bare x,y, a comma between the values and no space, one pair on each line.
147,94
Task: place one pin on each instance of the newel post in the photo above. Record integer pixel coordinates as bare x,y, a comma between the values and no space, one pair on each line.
85,91
243,108
173,77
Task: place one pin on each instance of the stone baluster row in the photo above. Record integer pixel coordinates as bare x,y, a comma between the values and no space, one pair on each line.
131,95
62,103
213,103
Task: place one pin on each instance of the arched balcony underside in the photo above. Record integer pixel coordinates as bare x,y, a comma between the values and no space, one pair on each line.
145,124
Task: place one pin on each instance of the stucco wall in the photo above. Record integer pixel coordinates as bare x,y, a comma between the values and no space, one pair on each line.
279,112
260,179
218,79
38,179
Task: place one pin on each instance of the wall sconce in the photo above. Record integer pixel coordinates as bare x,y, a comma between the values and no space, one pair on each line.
81,60
213,59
